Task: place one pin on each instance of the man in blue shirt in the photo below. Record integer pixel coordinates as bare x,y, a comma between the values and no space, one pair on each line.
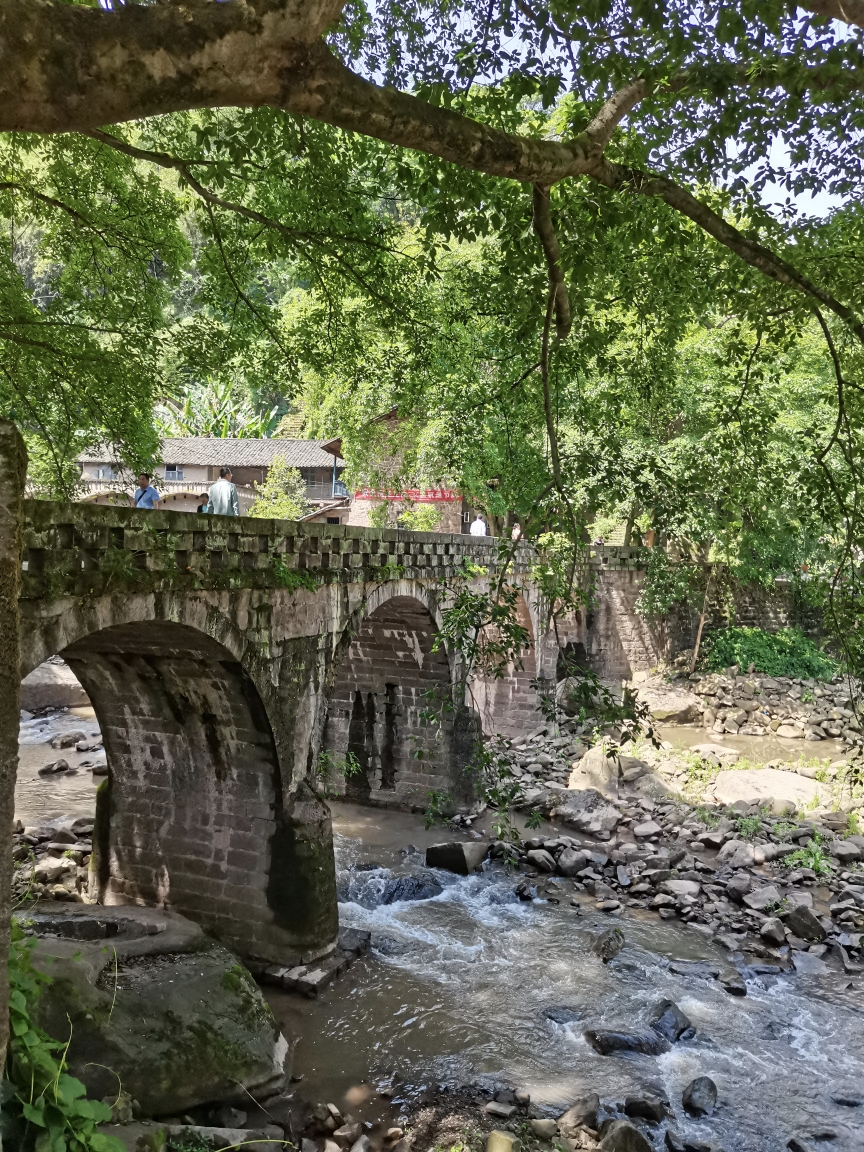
145,495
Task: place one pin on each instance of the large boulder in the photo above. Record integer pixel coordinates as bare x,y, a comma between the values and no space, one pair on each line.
586,811
52,686
670,705
597,769
155,1005
780,792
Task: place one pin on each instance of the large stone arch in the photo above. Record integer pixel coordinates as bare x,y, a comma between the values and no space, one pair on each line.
391,714
195,814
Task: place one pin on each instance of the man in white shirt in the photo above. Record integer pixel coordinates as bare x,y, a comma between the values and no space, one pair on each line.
478,527
223,496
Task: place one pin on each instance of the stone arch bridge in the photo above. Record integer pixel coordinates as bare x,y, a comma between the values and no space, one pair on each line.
230,662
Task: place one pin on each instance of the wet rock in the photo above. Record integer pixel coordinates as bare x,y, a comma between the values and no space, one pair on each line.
571,862
700,1096
362,1144
347,1134
606,1041
54,767
67,739
796,1145
608,944
545,1129
808,964
669,1021
561,1015
650,1108
773,932
582,1113
420,886
622,1136
267,1139
461,858
802,921
732,982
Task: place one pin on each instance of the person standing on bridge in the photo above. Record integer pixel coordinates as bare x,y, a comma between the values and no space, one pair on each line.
478,526
145,495
223,495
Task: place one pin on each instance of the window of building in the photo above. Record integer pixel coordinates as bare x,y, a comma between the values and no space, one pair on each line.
105,472
333,520
173,471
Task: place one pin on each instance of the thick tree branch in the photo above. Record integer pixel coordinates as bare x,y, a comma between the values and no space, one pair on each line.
545,232
617,176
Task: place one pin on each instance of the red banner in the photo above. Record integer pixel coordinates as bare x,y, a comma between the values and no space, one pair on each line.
411,495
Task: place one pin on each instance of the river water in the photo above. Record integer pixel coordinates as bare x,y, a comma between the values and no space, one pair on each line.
472,986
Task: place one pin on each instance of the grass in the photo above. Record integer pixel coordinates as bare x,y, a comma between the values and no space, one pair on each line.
786,652
812,855
749,826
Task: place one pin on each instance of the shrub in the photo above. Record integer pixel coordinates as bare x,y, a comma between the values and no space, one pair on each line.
787,652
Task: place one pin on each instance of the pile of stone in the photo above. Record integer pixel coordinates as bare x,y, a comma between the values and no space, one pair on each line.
755,705
52,859
725,871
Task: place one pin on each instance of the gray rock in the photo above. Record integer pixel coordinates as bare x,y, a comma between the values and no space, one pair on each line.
668,1019
545,1129
542,859
52,686
732,982
762,898
597,769
581,1113
806,964
586,811
737,854
700,1096
739,886
559,1014
845,852
622,1136
647,829
773,932
681,887
803,922
419,886
499,1110
459,857
571,862
185,1023
608,944
68,739
650,1108
606,1041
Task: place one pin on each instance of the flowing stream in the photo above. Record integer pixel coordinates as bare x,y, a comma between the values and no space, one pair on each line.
472,986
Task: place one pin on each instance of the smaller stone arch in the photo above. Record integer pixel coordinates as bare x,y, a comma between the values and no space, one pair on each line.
393,733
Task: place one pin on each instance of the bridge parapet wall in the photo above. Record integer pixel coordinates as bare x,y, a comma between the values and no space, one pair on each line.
80,550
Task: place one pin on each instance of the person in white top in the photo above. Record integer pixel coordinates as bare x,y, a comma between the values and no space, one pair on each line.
478,526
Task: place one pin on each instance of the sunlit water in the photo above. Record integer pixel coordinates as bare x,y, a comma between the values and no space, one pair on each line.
457,987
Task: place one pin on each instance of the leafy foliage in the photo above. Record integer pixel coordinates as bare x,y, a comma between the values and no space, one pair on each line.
787,652
49,1106
282,495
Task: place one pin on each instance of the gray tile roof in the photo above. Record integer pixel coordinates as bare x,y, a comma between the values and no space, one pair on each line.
236,452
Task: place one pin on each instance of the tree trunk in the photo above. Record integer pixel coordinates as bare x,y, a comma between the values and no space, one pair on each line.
13,468
701,622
